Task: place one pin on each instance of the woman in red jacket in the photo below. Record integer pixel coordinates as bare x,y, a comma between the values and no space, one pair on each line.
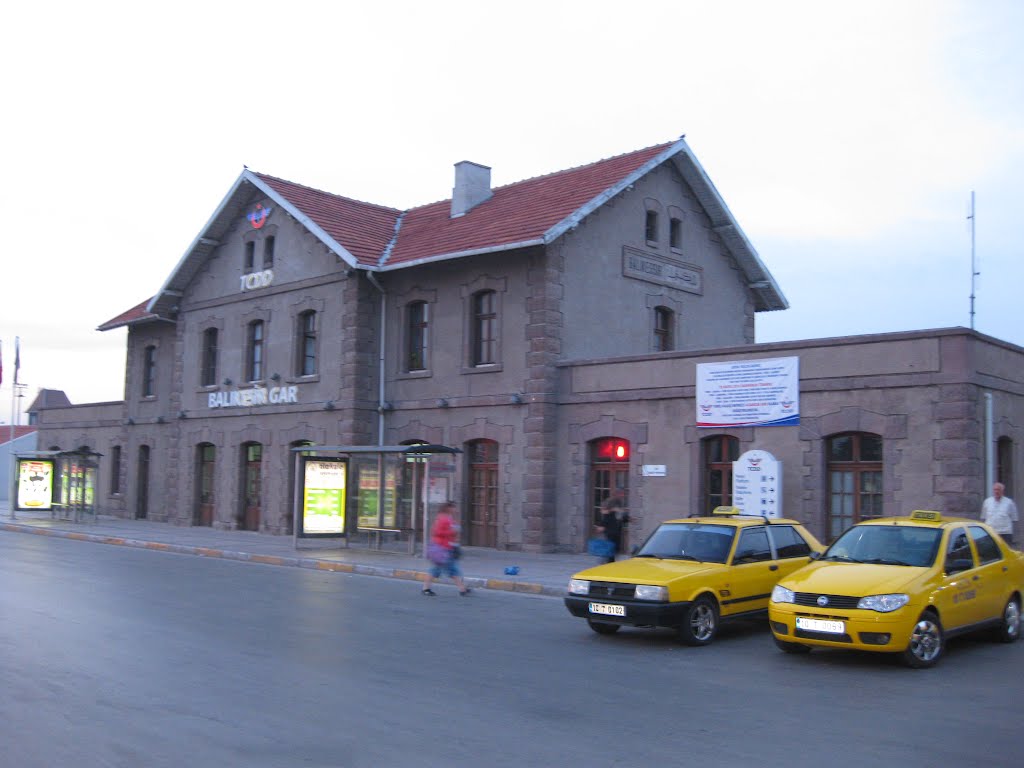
444,537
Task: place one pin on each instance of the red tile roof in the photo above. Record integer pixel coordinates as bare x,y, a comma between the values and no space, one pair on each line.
133,315
19,432
516,213
364,229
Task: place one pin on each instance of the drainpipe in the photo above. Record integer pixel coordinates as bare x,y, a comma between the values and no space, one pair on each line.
380,358
989,445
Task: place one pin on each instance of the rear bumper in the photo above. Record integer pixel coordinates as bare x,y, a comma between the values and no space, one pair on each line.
637,613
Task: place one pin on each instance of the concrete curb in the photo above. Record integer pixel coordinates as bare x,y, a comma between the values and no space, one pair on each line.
476,582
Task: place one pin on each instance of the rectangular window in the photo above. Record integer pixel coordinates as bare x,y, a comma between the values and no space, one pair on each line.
115,469
307,344
209,366
485,321
416,333
254,366
250,256
149,372
268,252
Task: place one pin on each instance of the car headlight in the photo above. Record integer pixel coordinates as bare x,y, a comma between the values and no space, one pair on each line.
579,587
782,595
883,603
649,592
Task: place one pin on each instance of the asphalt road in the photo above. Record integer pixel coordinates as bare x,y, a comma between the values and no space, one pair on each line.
120,657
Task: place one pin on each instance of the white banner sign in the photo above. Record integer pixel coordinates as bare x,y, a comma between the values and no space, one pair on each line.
749,393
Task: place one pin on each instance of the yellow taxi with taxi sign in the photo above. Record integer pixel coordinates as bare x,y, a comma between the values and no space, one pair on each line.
902,585
691,573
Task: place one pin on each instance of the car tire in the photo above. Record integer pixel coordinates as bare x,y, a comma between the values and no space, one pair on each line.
603,628
1009,629
788,647
700,625
927,642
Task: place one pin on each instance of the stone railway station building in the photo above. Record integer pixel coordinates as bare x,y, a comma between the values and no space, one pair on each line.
553,330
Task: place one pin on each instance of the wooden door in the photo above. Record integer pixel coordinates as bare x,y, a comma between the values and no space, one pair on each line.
483,494
205,475
252,485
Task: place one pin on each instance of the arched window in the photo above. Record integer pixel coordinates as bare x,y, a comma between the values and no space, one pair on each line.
149,372
483,493
208,376
651,227
854,479
254,351
1004,465
720,451
417,321
305,363
485,329
664,320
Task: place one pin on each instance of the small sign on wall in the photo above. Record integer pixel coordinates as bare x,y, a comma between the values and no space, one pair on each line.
757,484
653,470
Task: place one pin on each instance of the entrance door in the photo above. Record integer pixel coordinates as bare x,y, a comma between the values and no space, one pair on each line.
483,493
609,475
142,497
204,486
252,485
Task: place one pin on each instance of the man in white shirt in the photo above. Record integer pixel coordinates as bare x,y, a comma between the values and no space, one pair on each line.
1000,512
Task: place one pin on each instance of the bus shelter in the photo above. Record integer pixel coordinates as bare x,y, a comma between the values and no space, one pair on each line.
375,497
60,482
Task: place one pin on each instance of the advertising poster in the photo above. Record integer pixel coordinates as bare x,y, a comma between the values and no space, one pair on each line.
749,393
35,484
369,492
323,496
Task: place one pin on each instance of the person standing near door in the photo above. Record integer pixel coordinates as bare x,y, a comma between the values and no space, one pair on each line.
1000,512
613,518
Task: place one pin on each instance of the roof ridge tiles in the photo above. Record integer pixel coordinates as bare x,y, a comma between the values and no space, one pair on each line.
272,177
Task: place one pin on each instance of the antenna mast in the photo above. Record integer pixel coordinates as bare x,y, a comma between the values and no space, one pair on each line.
974,270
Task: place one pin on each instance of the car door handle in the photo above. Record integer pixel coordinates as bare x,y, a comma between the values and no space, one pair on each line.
773,567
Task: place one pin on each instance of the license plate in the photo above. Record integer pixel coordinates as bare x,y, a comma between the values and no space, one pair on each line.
820,625
608,610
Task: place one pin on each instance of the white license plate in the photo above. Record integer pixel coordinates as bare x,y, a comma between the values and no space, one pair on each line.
608,610
820,625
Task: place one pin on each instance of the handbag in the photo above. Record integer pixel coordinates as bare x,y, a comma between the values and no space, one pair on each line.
601,547
437,554
455,552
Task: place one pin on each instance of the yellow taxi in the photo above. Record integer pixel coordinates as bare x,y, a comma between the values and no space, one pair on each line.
902,585
692,573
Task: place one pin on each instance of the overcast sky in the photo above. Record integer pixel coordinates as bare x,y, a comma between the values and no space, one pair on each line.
846,138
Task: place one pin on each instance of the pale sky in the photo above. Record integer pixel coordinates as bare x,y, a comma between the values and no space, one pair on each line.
846,138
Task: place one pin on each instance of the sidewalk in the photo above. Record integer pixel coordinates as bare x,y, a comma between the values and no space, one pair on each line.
539,574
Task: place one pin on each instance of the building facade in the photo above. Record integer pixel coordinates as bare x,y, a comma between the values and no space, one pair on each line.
550,329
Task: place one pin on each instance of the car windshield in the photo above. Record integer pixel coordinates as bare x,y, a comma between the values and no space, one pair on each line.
886,545
705,542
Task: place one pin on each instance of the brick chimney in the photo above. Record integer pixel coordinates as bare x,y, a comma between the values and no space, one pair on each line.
472,187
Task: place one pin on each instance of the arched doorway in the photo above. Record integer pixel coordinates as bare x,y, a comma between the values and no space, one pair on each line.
142,496
482,512
609,475
206,455
252,487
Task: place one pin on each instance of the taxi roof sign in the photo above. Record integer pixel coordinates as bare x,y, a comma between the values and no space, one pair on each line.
726,511
926,516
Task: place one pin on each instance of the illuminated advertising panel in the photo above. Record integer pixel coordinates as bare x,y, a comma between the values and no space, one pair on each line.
323,496
35,484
